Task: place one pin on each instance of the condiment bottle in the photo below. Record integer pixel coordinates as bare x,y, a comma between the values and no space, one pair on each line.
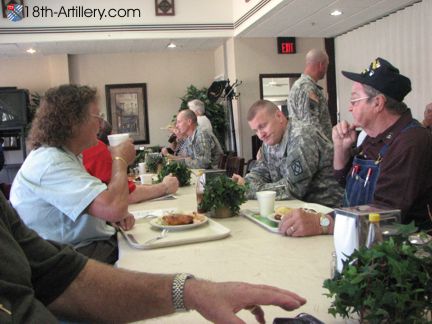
374,232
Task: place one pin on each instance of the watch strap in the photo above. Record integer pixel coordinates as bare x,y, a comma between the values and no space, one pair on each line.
178,291
325,228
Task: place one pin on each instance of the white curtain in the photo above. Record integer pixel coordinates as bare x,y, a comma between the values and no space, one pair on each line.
403,38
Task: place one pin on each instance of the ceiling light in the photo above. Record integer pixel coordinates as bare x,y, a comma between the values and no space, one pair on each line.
336,13
31,51
171,45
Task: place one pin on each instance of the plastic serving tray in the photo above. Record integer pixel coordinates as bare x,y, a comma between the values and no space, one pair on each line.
143,231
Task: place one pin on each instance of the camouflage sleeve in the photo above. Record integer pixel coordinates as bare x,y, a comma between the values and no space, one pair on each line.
296,171
201,152
301,101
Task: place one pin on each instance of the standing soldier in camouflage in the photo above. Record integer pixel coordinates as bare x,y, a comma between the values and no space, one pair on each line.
306,101
201,149
297,159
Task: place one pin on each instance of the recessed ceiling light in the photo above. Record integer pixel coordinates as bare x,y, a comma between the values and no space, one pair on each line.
171,45
336,13
31,51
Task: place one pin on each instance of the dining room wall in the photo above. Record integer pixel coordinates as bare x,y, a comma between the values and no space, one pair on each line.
166,74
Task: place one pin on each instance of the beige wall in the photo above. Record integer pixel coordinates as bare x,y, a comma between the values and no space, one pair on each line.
255,56
28,73
167,76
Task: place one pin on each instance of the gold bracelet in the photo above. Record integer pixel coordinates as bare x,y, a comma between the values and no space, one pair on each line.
119,158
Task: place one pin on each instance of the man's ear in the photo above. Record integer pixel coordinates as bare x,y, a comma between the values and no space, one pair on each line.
379,102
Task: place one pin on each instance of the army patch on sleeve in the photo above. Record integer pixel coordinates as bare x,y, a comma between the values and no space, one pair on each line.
296,167
313,96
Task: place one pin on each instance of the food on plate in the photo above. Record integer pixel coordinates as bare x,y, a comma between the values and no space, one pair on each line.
182,219
281,211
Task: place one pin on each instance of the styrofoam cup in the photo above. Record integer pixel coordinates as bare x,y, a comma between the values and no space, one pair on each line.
142,167
117,139
146,178
266,201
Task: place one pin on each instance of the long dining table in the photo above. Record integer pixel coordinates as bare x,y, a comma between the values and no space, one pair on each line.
249,253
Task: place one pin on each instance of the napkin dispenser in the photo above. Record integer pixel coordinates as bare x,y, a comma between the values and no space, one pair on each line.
351,227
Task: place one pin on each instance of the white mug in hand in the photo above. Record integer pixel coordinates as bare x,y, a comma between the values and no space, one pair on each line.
266,201
117,139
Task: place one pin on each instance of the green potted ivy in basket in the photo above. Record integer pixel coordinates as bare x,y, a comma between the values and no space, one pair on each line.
177,169
222,197
388,283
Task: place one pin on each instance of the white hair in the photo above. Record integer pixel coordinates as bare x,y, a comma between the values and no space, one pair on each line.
197,106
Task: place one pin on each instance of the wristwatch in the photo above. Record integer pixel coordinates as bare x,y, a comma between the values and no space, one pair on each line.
325,223
178,291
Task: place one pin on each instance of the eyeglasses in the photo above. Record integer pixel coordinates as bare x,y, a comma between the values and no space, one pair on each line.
353,101
100,116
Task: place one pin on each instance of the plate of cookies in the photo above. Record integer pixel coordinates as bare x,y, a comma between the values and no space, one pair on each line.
179,221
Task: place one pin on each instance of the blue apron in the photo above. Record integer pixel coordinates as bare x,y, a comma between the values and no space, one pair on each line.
363,176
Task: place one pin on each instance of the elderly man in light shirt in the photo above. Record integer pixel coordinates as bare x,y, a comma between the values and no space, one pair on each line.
198,107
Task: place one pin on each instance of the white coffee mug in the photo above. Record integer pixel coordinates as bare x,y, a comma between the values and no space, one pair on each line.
117,139
266,201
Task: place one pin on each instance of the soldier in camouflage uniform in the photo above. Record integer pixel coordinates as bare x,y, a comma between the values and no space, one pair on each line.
297,159
201,148
306,101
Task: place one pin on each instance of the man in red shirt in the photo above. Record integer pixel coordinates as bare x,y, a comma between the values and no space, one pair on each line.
98,162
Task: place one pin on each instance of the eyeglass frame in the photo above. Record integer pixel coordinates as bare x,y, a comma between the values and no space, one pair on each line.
353,101
100,116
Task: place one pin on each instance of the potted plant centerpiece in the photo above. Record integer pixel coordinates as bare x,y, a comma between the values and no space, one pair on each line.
222,197
388,283
177,169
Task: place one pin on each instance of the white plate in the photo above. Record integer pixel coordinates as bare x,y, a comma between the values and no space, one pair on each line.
273,219
157,222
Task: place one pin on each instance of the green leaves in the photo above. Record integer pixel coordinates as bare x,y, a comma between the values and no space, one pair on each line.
178,169
221,191
388,283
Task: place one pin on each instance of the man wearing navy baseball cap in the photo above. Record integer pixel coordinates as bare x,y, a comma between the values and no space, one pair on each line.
393,166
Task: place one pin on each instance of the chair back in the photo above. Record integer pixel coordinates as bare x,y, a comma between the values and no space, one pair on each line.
234,165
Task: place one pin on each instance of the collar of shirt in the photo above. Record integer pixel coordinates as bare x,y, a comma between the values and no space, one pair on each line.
279,149
391,133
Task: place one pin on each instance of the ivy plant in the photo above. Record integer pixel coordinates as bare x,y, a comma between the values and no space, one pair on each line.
177,169
388,283
221,191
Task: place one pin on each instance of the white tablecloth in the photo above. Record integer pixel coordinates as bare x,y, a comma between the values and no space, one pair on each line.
250,254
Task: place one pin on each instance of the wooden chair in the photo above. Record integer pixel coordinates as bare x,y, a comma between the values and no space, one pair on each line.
222,161
234,165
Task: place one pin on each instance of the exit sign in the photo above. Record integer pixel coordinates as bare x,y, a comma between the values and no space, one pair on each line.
286,45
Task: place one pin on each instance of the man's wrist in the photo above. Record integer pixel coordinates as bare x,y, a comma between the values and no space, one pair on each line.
178,291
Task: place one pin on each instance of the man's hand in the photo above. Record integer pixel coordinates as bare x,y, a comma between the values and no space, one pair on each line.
127,223
219,302
344,135
171,183
238,179
300,223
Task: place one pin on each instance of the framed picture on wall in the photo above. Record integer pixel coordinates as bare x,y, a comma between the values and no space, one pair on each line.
127,110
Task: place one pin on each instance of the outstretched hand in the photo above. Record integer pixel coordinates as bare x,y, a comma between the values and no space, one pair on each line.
219,302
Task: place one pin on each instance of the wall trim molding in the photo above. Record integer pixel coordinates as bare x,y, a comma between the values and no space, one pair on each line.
120,28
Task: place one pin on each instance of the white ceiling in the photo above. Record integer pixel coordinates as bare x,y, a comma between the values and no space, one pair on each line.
300,18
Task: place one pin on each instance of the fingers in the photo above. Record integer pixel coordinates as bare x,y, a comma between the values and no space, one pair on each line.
238,179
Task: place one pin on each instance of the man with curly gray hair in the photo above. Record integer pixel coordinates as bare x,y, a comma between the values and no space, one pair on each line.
53,193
